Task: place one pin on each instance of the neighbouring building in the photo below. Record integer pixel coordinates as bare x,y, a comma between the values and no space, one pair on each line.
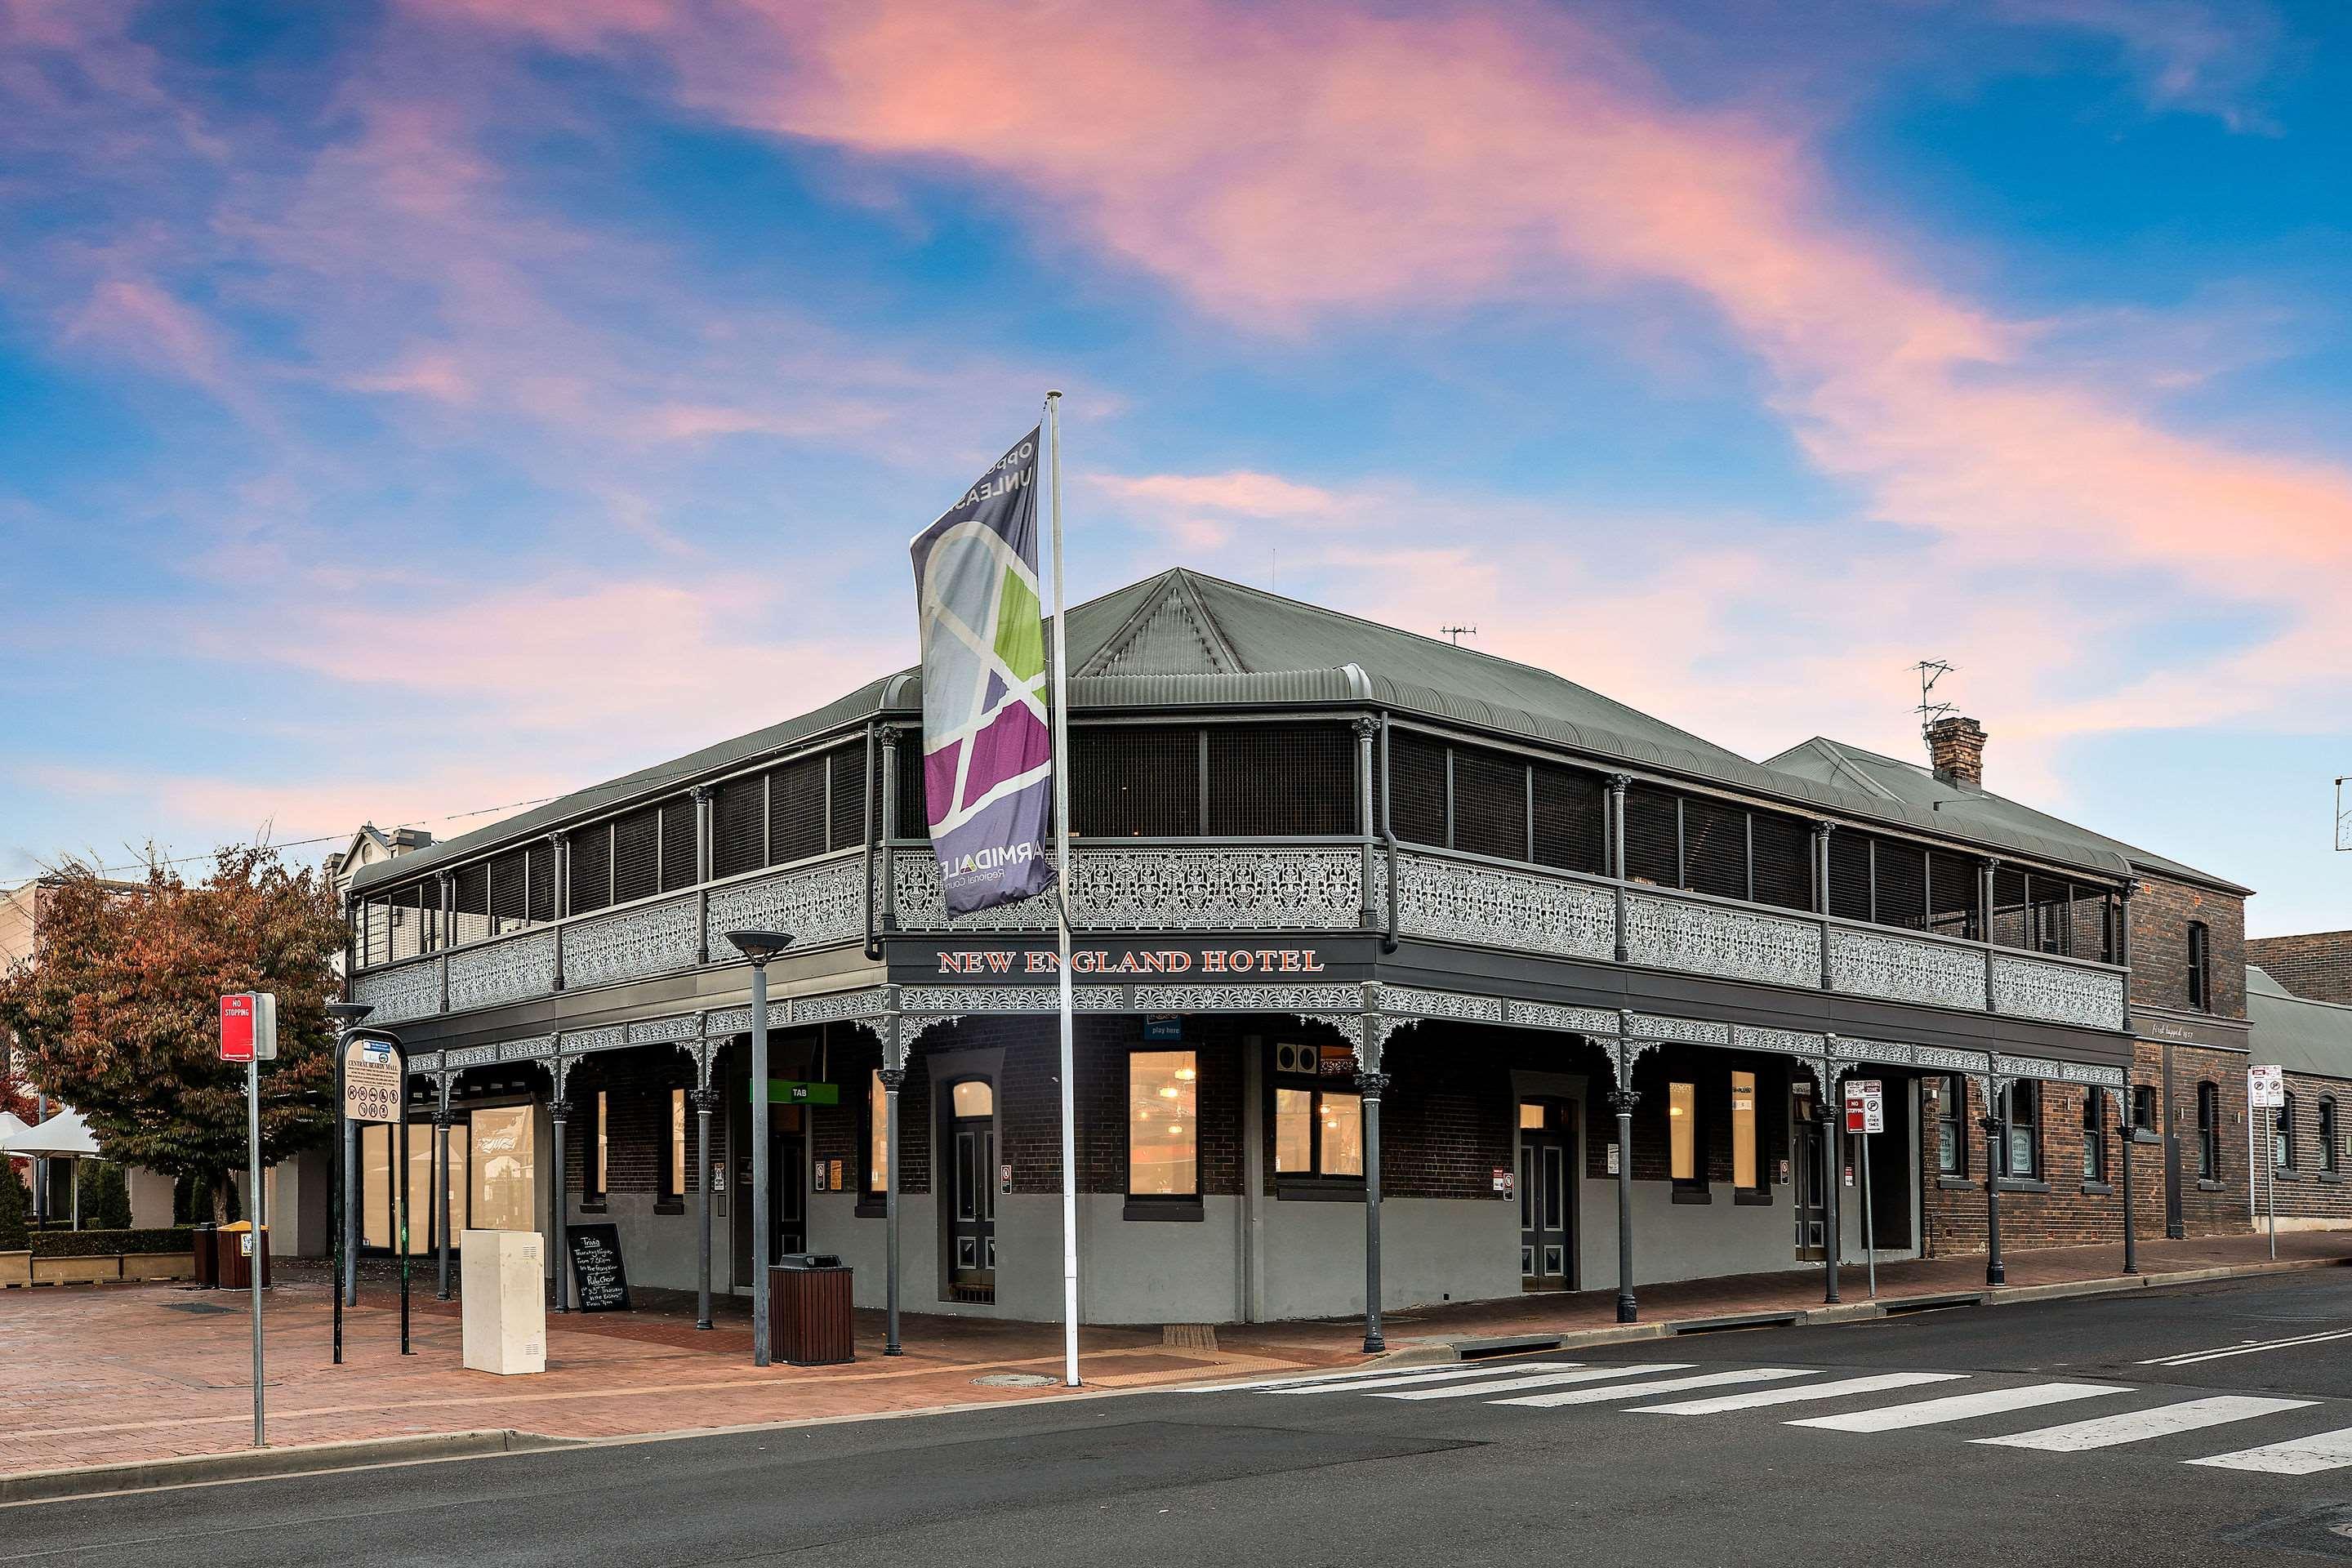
2304,1026
1588,985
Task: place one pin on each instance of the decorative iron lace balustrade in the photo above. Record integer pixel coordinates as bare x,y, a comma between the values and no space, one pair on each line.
1158,887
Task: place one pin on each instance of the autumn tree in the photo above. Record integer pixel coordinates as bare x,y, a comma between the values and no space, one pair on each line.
119,1010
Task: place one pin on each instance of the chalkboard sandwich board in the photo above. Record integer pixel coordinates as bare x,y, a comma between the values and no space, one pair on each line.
602,1283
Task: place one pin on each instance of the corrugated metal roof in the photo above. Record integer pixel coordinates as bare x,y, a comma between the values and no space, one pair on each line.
1916,784
1182,639
2299,1034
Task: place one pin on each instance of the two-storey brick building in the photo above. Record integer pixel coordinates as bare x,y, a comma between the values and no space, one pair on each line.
1384,947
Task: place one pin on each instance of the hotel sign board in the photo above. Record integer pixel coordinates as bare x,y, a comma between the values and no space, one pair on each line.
1286,959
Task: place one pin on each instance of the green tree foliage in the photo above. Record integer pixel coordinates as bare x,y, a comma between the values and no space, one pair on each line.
16,1204
105,1196
119,1012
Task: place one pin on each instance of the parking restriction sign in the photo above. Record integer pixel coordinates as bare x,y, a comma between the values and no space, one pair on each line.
1865,1105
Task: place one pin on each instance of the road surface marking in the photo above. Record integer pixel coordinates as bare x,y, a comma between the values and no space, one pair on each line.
1763,1396
2302,1457
1356,1383
1959,1406
1669,1386
2138,1426
1540,1380
2246,1347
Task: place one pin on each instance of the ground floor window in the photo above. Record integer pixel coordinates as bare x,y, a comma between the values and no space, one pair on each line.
2208,1132
2021,1129
379,1189
2282,1135
503,1180
672,1165
1163,1129
1318,1130
2094,1136
1951,1127
1746,1169
597,1180
877,1135
2327,1150
1684,1156
2144,1107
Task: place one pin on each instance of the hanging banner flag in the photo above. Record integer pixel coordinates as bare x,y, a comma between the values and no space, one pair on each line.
987,750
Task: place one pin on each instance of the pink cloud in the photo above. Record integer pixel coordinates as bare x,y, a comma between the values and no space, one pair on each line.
1247,493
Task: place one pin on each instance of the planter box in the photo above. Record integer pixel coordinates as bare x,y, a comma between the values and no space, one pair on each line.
78,1271
15,1268
159,1265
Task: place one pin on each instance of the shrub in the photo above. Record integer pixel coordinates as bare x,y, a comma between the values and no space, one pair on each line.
100,1242
14,1203
105,1196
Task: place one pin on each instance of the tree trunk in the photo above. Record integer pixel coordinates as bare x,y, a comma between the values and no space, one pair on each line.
219,1185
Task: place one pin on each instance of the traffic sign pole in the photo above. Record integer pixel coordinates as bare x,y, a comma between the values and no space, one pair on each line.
253,1214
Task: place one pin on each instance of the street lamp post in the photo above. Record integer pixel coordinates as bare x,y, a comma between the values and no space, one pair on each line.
760,946
346,1017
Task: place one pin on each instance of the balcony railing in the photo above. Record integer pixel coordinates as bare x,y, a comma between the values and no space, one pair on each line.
1317,887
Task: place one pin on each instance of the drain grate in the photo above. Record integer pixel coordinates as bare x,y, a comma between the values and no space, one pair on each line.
1016,1380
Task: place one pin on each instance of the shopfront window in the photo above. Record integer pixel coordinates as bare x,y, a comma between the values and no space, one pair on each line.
600,1148
504,1177
1317,1130
674,1165
1682,1132
1163,1130
877,1135
1745,1174
375,1185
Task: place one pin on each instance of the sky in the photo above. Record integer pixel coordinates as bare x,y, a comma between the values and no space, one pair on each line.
409,410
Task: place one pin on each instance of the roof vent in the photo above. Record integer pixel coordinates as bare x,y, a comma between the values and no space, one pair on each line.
1956,750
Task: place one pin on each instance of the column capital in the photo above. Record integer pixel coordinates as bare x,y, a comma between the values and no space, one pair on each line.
558,1109
1622,1102
707,1101
1620,783
701,793
2132,885
1825,826
893,1079
444,1118
559,837
1372,1084
1367,726
888,736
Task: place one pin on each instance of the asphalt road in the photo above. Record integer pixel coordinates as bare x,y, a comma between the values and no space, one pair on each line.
1345,1473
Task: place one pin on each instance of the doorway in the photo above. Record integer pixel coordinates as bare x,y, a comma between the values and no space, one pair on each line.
787,1188
1808,1171
971,1211
1546,1189
1893,1170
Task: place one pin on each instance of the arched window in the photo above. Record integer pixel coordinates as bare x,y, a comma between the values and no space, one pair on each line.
2282,1135
2208,1132
2327,1133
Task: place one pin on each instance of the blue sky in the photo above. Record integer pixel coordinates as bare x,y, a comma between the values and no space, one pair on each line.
417,408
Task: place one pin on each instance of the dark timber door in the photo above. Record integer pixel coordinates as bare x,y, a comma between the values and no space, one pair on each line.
971,1196
1547,1186
787,1180
1810,1173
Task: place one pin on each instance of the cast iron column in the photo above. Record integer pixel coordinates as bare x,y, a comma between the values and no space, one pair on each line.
889,794
762,1243
1617,783
892,1078
1622,1101
443,1119
701,794
1996,1131
1834,1152
1372,1084
558,1110
2126,1134
705,1100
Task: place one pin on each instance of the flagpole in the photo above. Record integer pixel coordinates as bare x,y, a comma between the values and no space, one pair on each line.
1062,914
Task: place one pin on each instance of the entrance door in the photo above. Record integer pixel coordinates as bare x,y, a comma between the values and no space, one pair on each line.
1810,1173
787,1180
971,1205
1546,1183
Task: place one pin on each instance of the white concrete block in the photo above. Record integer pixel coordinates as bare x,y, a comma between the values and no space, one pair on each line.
505,1301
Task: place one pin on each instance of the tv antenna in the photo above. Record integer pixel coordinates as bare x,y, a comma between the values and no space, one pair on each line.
1457,633
1932,670
2343,817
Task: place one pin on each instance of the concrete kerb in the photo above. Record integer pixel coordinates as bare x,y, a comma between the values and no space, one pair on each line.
266,1464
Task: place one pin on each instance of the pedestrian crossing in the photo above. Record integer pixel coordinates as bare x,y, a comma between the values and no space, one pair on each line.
1637,1388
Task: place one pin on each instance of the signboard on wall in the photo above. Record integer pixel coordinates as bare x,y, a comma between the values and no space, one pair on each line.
597,1274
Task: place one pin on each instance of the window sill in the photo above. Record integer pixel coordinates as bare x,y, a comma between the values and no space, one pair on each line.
1318,1193
2020,1184
2331,1178
1178,1209
1953,1183
870,1208
669,1205
1752,1197
1693,1196
2205,1186
2288,1175
594,1206
2098,1190
2146,1135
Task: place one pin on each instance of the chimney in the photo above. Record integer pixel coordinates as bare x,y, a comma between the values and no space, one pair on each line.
1956,750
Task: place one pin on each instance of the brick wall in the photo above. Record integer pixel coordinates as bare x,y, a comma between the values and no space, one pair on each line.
2064,1215
2160,915
637,1086
2307,1187
2318,965
2217,1206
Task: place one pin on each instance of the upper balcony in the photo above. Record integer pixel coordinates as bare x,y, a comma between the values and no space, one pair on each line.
1318,885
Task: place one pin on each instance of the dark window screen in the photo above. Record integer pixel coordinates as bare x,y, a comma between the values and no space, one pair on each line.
636,839
592,867
1416,788
1784,859
848,812
677,867
914,814
1569,816
1902,885
507,893
1849,875
796,810
472,885
1954,886
1650,837
539,899
1281,779
738,826
1130,781
2089,919
1490,803
1715,848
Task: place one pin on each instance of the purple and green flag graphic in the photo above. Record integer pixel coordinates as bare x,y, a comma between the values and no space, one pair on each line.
988,776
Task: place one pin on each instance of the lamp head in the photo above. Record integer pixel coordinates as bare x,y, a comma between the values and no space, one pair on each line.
760,946
348,1013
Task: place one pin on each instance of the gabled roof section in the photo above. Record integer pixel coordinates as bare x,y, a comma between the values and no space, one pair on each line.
2295,1032
1835,762
1171,633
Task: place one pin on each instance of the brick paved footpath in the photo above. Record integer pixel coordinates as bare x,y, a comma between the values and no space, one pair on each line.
95,1374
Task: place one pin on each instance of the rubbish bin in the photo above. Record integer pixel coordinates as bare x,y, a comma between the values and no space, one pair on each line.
235,1269
808,1309
204,1242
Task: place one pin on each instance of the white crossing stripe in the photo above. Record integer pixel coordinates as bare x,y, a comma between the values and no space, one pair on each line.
1959,1406
1356,1383
1668,1385
2138,1426
2300,1456
1540,1380
1760,1397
